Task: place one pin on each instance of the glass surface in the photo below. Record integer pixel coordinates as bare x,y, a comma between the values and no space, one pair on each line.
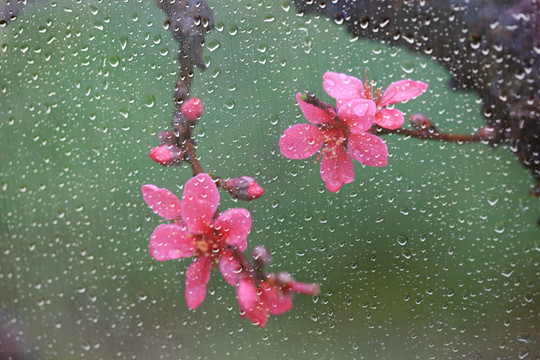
434,256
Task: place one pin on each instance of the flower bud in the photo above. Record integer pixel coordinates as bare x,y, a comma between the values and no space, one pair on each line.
192,109
488,133
244,188
167,155
420,122
261,257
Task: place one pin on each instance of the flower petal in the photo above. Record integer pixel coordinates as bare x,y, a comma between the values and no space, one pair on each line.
336,167
171,241
162,202
250,303
233,226
342,87
247,294
277,300
358,114
301,141
402,90
230,267
199,203
314,114
389,118
368,149
197,277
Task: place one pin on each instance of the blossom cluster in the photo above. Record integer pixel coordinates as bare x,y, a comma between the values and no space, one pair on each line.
344,132
196,228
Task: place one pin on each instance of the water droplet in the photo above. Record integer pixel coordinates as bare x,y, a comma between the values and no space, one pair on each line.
219,26
499,227
229,104
124,113
523,352
123,42
98,25
213,45
142,295
233,30
114,60
273,119
523,336
94,9
269,18
149,101
402,240
262,47
493,199
507,271
286,6
407,66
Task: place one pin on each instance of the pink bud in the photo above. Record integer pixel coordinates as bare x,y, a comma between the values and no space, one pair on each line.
261,257
244,188
192,109
167,155
420,122
488,133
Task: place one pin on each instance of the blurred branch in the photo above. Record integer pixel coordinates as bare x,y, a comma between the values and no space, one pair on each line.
11,9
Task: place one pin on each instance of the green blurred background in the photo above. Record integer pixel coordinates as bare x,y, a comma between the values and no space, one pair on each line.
435,256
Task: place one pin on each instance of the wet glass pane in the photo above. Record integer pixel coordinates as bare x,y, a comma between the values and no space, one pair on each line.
433,256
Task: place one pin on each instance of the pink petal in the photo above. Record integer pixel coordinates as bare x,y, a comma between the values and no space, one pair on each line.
358,114
247,294
389,118
336,167
313,114
278,302
197,277
162,202
249,302
305,288
368,149
230,267
199,203
171,241
402,90
342,87
301,141
233,227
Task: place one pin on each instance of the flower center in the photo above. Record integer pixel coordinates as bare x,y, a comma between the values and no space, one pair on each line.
368,91
335,134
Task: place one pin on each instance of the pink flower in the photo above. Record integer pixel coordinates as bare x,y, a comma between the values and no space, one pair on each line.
336,132
197,229
345,88
260,293
272,296
346,127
